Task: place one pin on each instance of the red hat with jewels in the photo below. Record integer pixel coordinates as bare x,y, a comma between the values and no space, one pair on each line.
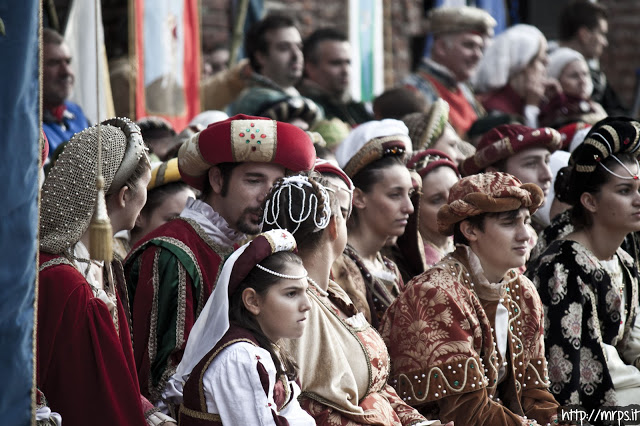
243,138
425,161
504,141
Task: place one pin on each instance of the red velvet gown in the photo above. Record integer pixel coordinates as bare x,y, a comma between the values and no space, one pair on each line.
85,365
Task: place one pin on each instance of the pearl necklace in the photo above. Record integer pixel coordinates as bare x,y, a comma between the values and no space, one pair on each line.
322,292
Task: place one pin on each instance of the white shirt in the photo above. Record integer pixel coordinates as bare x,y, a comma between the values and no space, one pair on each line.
233,389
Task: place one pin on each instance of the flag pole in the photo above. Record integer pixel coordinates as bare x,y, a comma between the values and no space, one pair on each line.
238,30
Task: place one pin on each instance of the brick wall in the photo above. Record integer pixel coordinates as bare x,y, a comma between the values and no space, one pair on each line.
622,57
402,20
215,16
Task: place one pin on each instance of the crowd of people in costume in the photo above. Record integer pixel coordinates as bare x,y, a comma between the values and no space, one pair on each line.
442,257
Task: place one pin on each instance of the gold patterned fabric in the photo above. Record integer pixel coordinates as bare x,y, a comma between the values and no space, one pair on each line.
344,366
487,193
442,338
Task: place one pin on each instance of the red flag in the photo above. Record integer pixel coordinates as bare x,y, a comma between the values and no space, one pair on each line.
167,47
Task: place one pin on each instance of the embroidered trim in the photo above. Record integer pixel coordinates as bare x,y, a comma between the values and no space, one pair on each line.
379,292
188,412
596,321
517,346
153,325
55,262
629,278
463,385
108,282
614,135
287,391
119,271
222,250
182,305
538,380
170,368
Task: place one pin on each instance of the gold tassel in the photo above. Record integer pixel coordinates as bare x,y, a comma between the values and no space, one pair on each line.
100,231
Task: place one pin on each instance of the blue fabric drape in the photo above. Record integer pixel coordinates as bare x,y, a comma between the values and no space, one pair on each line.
19,150
497,9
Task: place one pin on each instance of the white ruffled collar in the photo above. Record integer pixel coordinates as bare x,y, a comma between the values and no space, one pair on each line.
212,223
485,289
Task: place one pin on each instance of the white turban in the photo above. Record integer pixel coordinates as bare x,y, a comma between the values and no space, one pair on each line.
509,53
364,133
560,58
557,160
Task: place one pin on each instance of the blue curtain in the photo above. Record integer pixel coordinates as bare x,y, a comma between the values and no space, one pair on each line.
498,10
19,150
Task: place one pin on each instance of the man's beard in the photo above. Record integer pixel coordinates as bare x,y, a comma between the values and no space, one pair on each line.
244,223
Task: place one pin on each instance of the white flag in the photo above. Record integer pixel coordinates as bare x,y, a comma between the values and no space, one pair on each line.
80,36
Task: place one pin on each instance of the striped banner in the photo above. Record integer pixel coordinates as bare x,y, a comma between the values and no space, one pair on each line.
167,58
366,38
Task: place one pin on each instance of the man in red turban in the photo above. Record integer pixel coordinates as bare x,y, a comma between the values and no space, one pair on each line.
172,271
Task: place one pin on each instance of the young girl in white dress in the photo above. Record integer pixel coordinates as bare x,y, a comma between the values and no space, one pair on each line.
233,372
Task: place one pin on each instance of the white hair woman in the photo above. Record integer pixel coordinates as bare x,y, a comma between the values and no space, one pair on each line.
511,77
573,104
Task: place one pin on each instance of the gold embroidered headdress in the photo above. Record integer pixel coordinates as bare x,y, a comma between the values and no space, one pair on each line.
69,193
